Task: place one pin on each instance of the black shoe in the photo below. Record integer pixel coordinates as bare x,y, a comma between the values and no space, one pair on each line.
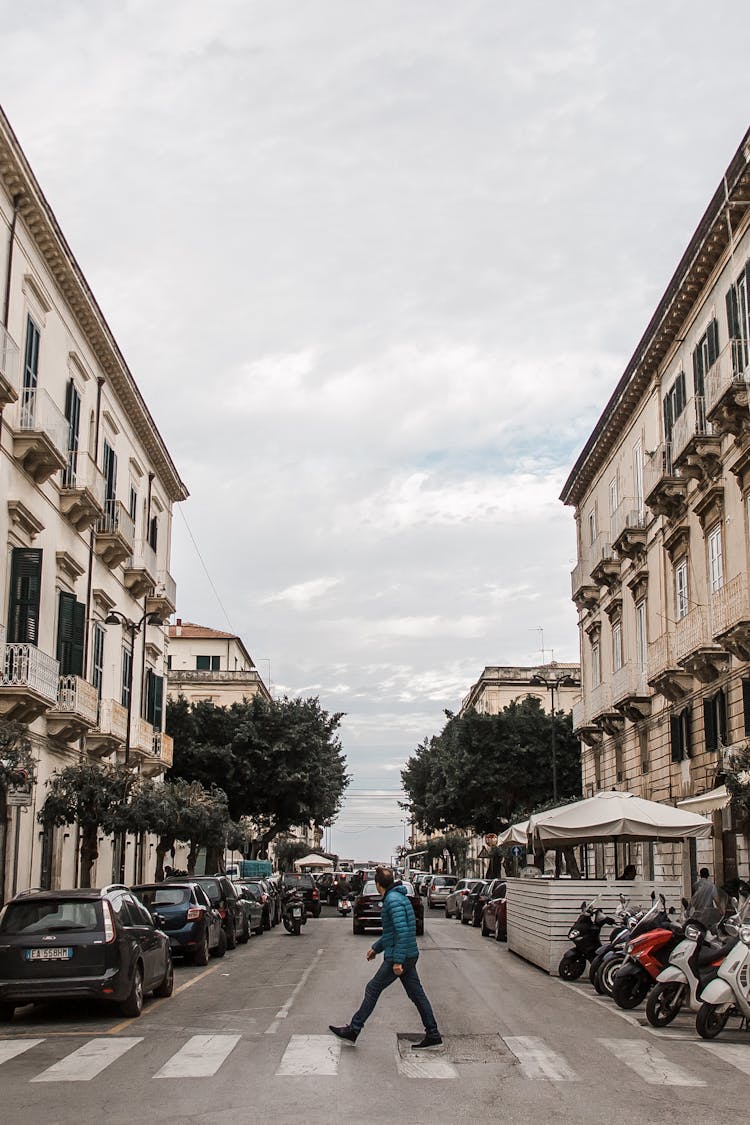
434,1040
345,1032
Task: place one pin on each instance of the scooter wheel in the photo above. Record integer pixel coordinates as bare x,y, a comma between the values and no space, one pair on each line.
594,970
630,989
297,926
664,1002
572,965
606,977
287,925
711,1020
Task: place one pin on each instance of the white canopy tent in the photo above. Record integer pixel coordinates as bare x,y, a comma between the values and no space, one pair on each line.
516,834
318,862
614,816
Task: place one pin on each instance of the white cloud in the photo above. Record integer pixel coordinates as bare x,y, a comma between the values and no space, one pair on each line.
303,594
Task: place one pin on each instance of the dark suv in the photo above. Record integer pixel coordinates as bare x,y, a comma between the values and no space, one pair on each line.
87,944
304,885
224,898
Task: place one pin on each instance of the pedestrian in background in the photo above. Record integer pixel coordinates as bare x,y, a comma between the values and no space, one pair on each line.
398,944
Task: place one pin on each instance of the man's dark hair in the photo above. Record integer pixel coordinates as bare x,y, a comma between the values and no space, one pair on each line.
384,877
704,873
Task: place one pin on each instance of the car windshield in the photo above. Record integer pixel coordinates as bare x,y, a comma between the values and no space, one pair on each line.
58,916
370,889
162,896
443,881
298,881
212,888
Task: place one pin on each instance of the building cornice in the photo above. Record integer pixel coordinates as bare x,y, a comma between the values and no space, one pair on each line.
727,210
41,224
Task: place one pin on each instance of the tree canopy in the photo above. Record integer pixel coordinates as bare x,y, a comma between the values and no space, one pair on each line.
484,771
279,762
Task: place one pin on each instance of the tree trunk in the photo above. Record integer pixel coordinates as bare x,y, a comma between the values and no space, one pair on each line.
192,857
571,863
214,860
89,852
166,843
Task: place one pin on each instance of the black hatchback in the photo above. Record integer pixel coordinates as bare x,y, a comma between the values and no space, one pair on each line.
192,925
81,944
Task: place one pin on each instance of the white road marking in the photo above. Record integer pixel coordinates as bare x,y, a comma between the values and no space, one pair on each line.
429,1063
310,1054
9,1048
735,1054
538,1060
200,1057
649,1064
283,1011
88,1061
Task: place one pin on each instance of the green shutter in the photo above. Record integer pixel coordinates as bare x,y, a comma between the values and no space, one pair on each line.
158,682
746,706
25,592
713,342
709,725
721,719
674,733
686,733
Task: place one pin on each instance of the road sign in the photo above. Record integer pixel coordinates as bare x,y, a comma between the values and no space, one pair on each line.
20,796
491,839
517,851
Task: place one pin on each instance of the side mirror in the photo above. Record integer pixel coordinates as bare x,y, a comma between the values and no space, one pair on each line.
159,921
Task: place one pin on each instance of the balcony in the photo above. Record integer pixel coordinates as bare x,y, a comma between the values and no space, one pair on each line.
163,601
694,647
75,711
161,755
140,570
585,730
584,590
630,693
8,368
111,729
665,490
696,449
628,529
40,443
605,566
730,617
114,534
82,491
727,393
664,674
601,711
29,682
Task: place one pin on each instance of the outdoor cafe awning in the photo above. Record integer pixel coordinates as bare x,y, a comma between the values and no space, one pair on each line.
614,816
516,834
707,803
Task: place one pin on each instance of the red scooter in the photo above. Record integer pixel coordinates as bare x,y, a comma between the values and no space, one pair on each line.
646,957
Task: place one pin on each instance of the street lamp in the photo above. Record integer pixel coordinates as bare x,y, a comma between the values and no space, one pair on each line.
133,627
554,681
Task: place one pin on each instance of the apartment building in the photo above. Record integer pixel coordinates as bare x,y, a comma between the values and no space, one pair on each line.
207,664
497,687
661,493
86,494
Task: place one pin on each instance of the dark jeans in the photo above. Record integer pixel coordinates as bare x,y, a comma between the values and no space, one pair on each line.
413,987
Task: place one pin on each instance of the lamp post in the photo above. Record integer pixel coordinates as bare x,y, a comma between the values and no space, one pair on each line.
553,681
133,627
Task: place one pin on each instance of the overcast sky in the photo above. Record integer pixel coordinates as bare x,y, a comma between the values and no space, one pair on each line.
376,269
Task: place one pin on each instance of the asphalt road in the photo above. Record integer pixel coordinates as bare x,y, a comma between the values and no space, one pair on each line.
246,1040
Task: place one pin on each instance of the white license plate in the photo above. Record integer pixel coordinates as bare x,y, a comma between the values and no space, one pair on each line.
59,953
297,911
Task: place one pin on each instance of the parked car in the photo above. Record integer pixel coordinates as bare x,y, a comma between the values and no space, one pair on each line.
418,879
192,925
439,887
368,905
250,902
223,896
456,896
495,919
424,885
262,892
82,944
305,885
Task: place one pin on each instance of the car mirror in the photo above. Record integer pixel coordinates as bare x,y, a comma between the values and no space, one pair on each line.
159,920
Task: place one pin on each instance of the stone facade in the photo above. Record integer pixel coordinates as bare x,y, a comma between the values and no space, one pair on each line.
206,664
497,687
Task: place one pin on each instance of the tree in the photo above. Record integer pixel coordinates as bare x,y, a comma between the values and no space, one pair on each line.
17,768
289,850
185,811
93,796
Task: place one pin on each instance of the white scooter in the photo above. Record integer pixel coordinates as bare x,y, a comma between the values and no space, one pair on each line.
729,994
345,906
692,964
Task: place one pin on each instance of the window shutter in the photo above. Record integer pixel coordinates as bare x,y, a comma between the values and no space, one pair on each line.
687,741
674,730
721,718
66,603
733,313
25,592
698,382
713,342
679,391
709,724
746,705
158,682
668,421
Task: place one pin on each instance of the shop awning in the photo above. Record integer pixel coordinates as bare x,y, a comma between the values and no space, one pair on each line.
614,816
516,834
706,803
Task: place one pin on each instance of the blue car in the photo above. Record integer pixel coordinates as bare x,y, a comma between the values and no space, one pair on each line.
190,922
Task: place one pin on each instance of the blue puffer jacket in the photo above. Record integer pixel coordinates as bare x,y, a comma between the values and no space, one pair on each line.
399,938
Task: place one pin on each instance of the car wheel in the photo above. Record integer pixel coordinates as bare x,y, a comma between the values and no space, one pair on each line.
6,1012
167,985
244,937
266,923
464,921
221,948
447,914
201,955
231,936
316,912
260,928
485,928
133,1005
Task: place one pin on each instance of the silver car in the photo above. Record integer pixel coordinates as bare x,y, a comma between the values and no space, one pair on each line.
439,888
453,901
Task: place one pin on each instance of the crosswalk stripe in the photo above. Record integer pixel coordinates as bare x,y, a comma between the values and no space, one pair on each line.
538,1060
200,1057
10,1048
649,1064
88,1061
310,1055
736,1054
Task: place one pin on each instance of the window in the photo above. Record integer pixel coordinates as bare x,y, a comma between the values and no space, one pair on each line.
746,707
680,735
109,468
641,637
638,476
30,375
592,526
71,628
704,357
73,415
153,532
616,646
738,321
97,658
674,404
715,721
169,663
127,668
596,665
154,703
208,663
613,496
681,590
133,503
25,592
715,560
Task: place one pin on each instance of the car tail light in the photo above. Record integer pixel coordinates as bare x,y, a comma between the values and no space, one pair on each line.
222,912
109,923
194,913
315,893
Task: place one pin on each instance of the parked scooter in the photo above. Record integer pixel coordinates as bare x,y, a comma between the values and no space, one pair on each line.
646,956
625,922
294,915
655,918
729,993
586,938
693,963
